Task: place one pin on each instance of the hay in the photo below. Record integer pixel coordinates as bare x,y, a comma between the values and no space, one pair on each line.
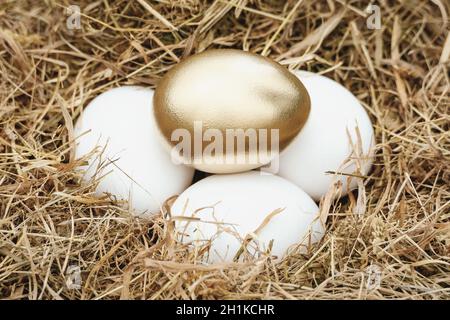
50,224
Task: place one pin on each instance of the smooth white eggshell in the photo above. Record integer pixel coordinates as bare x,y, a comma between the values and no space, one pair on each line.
323,144
134,164
234,205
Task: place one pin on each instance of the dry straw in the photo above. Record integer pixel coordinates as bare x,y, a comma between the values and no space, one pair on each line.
57,241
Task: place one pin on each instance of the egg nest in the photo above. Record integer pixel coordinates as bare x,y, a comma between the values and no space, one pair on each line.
396,225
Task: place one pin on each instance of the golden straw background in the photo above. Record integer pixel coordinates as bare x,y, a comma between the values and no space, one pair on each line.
398,222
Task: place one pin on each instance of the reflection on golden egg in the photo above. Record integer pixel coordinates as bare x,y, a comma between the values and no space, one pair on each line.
225,111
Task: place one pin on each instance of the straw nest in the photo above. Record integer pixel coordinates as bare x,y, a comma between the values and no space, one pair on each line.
388,239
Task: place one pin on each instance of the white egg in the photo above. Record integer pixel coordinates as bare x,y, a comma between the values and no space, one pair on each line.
227,209
119,126
325,143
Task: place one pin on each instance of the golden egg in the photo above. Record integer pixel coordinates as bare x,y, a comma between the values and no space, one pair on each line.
224,111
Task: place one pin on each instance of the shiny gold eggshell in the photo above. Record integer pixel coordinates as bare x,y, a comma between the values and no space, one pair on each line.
230,89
